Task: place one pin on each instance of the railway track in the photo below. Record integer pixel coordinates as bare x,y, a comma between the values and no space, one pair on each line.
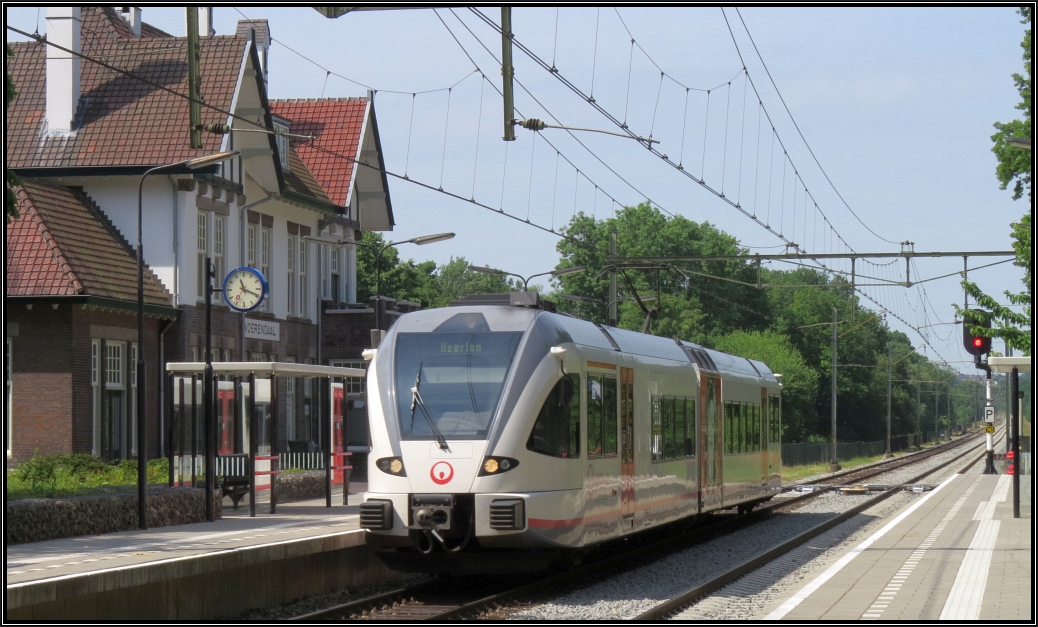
674,605
444,599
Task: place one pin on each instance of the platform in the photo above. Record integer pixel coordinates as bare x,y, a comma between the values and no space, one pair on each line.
100,576
955,554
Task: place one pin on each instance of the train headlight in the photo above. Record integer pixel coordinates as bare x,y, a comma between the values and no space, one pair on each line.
391,466
497,465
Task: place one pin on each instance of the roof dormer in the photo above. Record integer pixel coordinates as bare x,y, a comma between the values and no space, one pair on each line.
281,128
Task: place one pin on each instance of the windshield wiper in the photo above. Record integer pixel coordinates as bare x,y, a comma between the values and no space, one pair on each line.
417,402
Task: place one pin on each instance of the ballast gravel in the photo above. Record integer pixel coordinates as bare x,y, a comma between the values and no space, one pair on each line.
320,602
630,594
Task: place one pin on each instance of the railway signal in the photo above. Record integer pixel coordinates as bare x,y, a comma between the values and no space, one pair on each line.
974,343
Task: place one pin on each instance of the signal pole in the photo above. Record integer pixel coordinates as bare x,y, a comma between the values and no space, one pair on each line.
889,383
918,418
989,427
834,465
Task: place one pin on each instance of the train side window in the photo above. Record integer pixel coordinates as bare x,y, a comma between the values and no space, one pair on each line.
679,428
728,428
668,427
747,416
690,427
609,426
594,415
756,426
657,428
775,411
744,436
557,429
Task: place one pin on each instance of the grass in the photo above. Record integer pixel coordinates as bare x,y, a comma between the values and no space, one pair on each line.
48,476
795,473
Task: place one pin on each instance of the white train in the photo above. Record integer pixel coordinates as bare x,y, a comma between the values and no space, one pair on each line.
504,436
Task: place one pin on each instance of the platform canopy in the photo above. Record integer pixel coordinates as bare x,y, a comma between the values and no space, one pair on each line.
1006,364
265,369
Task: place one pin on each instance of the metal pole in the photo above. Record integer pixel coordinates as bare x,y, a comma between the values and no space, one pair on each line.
253,443
326,435
207,395
345,445
612,283
989,427
889,384
272,434
918,419
834,465
142,435
169,426
936,417
507,72
1015,417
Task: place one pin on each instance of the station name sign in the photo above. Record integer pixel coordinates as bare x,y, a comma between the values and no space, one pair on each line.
262,330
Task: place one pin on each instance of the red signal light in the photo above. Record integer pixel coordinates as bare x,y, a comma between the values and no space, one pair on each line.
978,342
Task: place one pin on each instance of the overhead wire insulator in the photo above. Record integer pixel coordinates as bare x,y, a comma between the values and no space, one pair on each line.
214,128
532,124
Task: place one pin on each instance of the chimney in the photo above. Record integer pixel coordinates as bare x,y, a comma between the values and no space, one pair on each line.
205,22
259,32
63,29
132,17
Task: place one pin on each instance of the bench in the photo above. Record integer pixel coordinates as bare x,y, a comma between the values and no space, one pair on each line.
235,487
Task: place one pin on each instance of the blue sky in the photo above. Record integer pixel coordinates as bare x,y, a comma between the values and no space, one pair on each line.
896,103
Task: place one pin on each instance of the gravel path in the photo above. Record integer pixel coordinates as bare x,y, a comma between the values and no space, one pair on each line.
628,595
315,603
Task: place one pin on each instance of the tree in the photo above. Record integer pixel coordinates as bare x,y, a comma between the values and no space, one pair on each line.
799,381
1014,166
10,200
694,306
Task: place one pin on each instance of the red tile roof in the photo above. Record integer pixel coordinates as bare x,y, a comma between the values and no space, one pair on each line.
336,124
122,121
63,245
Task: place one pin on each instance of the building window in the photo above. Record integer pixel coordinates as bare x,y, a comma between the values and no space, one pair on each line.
304,293
354,385
291,274
335,274
218,240
250,247
95,388
203,250
113,411
281,135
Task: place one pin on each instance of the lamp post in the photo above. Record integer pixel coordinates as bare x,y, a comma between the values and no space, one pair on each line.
421,240
582,299
142,440
526,280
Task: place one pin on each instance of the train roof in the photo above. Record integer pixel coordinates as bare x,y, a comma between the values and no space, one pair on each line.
510,315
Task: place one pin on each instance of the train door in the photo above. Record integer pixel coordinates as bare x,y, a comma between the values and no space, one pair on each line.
764,438
338,429
627,448
602,483
710,486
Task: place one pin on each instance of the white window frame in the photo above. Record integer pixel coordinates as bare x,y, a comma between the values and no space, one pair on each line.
218,248
290,272
202,232
353,385
266,243
281,137
302,272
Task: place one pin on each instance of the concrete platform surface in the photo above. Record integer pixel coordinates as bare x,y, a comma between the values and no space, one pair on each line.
955,554
70,557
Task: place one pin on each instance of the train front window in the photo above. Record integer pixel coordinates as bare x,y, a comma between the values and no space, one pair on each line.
459,377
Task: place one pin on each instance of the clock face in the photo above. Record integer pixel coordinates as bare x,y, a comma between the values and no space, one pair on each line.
244,289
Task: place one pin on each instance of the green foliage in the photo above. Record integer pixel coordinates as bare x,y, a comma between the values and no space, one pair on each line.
1014,166
799,382
10,200
69,474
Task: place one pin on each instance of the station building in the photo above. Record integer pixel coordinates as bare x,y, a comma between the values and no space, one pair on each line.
81,137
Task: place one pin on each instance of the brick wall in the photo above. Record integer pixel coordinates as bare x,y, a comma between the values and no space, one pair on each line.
52,398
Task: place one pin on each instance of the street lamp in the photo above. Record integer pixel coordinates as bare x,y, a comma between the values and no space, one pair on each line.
421,240
526,280
142,441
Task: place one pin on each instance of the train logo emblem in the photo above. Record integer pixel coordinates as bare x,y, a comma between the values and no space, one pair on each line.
441,473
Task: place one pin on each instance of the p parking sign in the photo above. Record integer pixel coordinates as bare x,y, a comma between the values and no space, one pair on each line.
989,414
